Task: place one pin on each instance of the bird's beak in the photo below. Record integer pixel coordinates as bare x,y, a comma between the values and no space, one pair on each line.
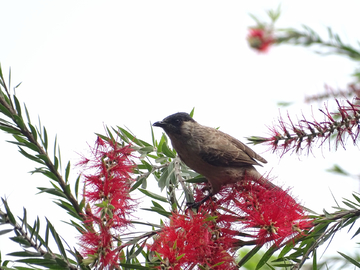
159,124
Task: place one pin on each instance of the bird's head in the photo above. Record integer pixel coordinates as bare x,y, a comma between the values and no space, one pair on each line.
173,123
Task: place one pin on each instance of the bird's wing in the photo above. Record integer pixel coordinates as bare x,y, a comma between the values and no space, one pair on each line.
224,150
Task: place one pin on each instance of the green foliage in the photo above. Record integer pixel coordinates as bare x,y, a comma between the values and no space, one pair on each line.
308,37
156,160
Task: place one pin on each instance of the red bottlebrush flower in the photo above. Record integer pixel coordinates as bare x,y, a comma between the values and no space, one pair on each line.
194,239
243,209
270,214
260,39
304,134
108,201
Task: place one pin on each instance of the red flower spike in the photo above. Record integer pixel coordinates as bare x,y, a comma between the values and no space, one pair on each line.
303,134
271,214
260,39
207,238
194,239
108,201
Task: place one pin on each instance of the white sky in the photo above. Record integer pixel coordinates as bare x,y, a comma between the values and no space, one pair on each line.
86,64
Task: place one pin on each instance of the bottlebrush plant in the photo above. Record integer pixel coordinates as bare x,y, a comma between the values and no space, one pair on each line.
244,216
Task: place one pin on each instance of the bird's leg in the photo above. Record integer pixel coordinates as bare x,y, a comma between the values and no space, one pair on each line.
196,205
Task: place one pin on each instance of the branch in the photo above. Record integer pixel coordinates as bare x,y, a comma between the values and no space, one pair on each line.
303,134
26,137
28,237
309,37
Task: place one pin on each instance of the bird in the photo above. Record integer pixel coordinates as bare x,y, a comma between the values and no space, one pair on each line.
219,157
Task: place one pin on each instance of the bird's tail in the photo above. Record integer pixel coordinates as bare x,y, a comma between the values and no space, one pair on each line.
265,182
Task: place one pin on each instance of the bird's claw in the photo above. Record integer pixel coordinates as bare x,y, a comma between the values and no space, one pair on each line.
196,205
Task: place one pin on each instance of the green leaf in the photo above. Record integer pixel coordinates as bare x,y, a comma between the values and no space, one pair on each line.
159,211
10,216
20,240
266,256
17,105
6,231
161,159
249,255
47,263
26,144
350,204
353,261
356,233
67,172
284,103
131,137
197,179
162,140
315,259
138,183
45,142
57,239
35,229
10,130
147,165
153,195
48,174
52,191
146,149
19,121
77,185
5,111
192,112
68,207
137,252
289,246
356,198
33,131
152,135
157,205
164,176
33,158
25,253
27,112
56,163
147,224
337,169
133,266
166,150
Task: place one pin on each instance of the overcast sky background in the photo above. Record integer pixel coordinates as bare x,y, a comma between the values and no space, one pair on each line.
86,64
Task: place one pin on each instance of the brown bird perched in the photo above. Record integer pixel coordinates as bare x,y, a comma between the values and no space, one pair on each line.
220,158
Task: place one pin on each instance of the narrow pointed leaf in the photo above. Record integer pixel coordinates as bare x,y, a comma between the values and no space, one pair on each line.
5,111
33,131
17,105
10,130
130,136
67,172
353,261
266,256
6,231
166,150
52,191
153,195
45,139
77,182
33,158
20,240
57,239
8,212
249,255
25,253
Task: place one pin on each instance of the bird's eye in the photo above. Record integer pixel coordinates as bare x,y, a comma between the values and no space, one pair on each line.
176,121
